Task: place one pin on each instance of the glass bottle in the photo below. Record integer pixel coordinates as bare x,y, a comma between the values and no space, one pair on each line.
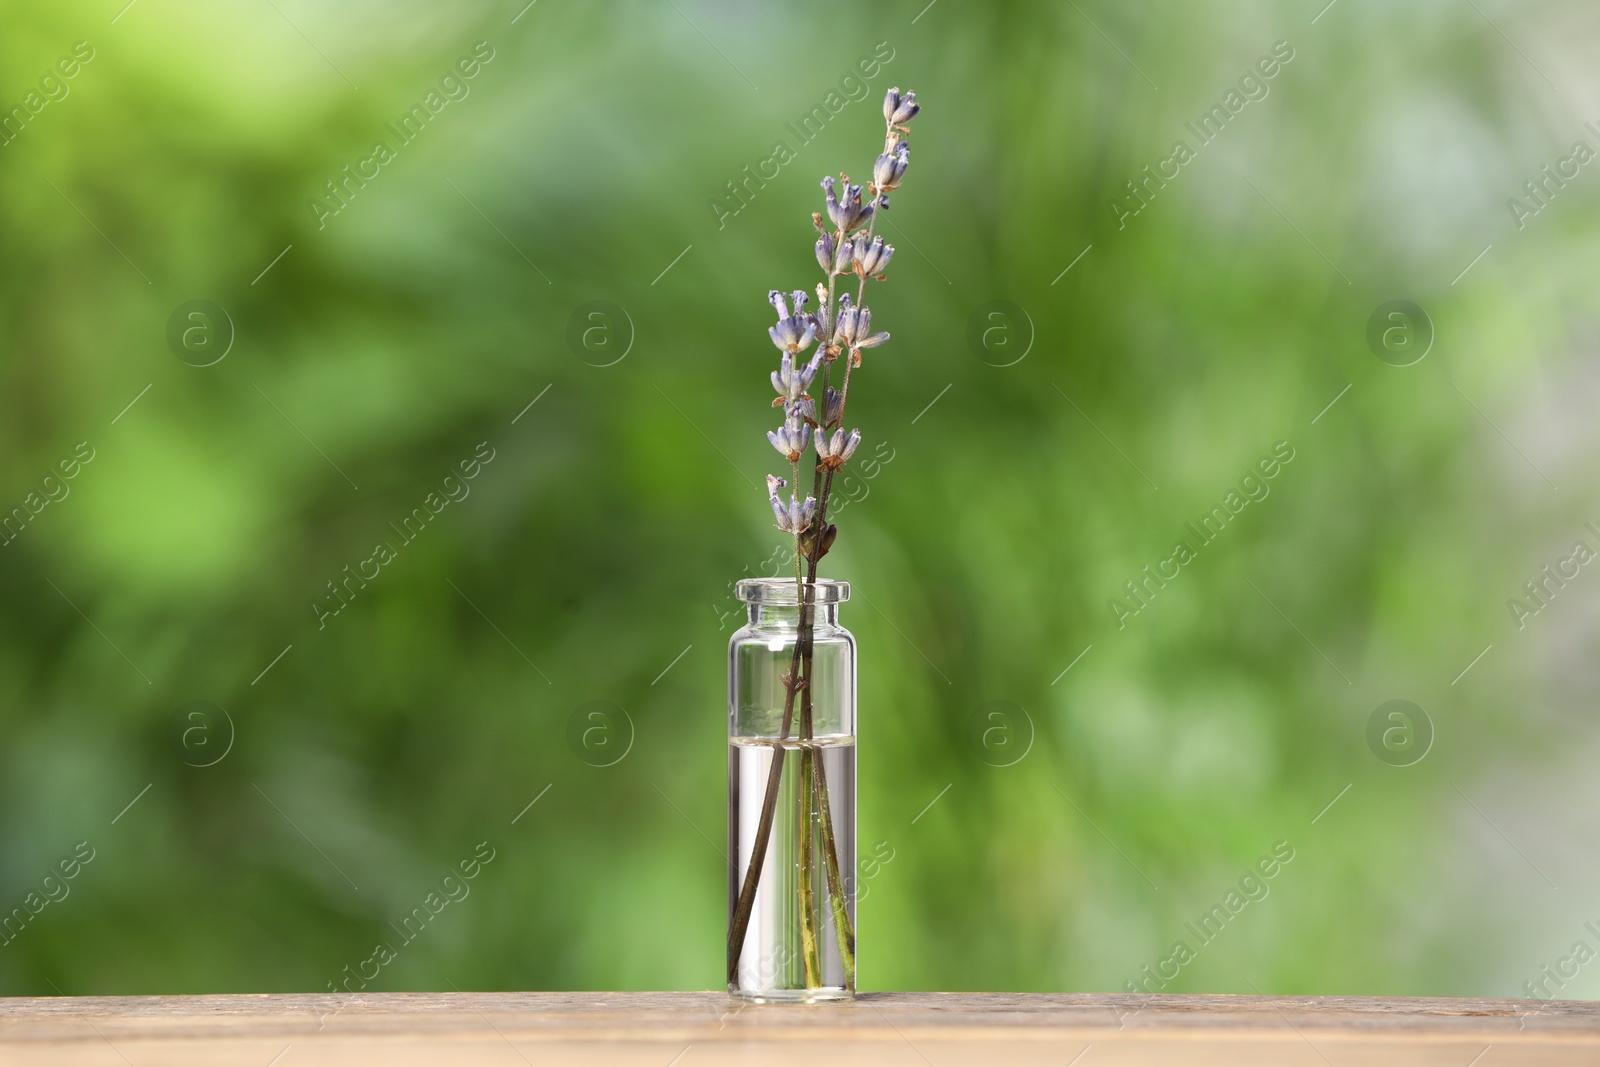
793,937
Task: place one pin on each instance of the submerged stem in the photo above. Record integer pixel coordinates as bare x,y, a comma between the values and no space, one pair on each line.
842,927
808,903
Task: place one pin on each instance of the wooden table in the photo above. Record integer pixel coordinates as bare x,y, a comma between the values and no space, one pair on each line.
702,1029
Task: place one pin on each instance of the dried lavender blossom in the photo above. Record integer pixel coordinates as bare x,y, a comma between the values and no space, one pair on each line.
832,453
825,253
793,332
891,167
854,329
795,516
792,438
792,383
899,110
871,259
832,406
847,211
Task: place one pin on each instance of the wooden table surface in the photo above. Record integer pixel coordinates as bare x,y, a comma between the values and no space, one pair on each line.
702,1029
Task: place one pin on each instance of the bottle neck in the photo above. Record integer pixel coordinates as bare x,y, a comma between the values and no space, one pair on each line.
787,616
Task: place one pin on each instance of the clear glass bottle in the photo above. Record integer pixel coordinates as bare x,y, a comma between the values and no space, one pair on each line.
793,936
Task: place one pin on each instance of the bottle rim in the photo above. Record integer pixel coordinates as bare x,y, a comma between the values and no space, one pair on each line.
781,592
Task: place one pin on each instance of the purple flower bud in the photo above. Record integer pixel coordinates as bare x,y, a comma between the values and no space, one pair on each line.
783,375
844,312
794,435
846,254
824,324
873,258
833,406
794,517
906,108
793,332
850,445
891,104
792,383
833,452
854,323
891,167
825,253
846,211
774,483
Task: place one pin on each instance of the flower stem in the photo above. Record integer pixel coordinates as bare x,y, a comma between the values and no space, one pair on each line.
808,907
808,902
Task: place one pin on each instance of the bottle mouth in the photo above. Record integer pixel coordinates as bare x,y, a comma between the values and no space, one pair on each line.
781,592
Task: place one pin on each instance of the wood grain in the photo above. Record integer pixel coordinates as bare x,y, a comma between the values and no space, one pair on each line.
704,1029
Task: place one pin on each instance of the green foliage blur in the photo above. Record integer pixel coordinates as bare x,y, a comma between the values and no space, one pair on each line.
1024,468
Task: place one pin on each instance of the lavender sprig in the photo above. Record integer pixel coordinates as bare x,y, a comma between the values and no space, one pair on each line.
843,328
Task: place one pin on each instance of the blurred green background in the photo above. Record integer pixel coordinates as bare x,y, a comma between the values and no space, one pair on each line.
1025,467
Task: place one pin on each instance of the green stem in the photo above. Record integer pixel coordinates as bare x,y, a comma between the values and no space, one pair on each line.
808,903
842,927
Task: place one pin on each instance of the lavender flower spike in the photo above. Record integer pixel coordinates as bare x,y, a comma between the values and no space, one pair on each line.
833,453
790,383
796,516
793,332
794,435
